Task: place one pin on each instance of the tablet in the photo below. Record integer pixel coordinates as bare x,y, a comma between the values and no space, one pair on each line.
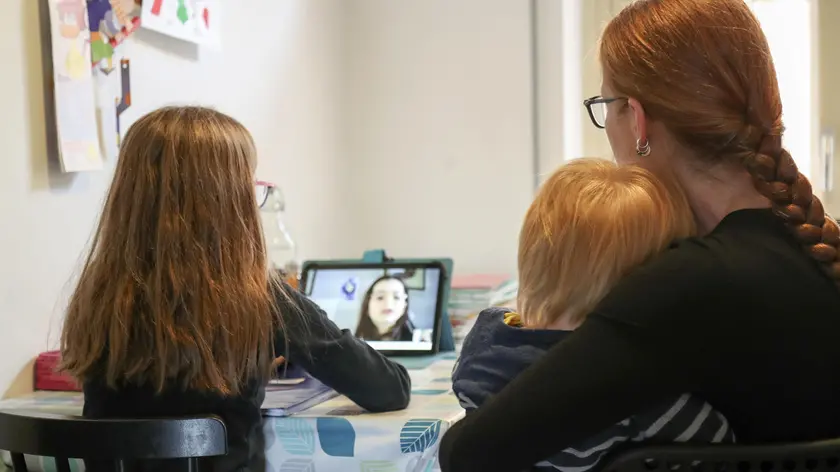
395,307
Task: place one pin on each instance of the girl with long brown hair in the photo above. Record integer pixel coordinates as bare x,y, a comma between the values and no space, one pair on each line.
176,311
384,313
745,315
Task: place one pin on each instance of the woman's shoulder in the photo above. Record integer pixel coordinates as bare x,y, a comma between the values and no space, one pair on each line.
710,277
697,259
749,266
747,247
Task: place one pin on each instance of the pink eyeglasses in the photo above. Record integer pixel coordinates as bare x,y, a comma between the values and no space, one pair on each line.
263,190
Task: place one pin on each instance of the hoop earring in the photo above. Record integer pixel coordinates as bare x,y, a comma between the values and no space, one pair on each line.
642,149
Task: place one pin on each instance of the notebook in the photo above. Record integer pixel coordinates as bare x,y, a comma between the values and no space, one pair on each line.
286,400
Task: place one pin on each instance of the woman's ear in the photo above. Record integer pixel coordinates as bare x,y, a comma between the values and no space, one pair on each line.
637,112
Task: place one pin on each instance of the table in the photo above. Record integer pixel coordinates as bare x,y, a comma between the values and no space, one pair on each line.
334,436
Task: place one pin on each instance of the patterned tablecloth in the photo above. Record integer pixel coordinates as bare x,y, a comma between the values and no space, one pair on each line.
334,436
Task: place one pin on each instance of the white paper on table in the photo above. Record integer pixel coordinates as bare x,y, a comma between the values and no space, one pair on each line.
75,96
288,400
286,382
196,21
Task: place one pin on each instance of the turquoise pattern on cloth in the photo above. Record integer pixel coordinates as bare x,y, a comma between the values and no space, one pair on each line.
335,436
419,435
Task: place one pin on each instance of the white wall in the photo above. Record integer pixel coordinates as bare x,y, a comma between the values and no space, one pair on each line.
568,32
790,27
559,85
278,73
438,128
596,15
829,97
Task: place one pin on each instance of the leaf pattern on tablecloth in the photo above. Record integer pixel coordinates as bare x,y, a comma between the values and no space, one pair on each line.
418,434
337,436
378,466
298,465
296,435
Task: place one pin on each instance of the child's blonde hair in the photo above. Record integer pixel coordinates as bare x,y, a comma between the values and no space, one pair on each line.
591,222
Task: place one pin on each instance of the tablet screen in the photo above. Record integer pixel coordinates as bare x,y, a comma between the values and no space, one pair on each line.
392,308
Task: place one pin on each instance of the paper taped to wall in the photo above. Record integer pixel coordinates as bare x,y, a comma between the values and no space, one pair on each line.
75,96
196,21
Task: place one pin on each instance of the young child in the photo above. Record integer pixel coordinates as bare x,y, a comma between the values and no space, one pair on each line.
591,223
176,312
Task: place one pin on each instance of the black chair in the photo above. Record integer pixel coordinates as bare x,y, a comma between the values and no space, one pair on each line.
118,445
817,456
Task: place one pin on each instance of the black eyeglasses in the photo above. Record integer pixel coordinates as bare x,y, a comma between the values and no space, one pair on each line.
597,108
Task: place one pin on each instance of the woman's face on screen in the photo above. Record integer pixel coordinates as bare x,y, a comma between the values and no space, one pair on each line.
388,302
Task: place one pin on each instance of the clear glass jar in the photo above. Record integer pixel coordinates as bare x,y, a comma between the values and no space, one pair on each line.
282,251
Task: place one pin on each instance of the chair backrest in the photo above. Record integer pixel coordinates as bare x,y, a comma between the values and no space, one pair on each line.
118,441
817,456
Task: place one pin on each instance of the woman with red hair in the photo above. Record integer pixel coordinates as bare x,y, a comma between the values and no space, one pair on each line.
745,315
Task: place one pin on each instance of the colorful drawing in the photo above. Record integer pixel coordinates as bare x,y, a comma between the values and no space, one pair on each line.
111,21
75,98
73,31
113,98
183,15
196,21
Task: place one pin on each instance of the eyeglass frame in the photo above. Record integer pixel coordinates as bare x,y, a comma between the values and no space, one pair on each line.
268,186
597,100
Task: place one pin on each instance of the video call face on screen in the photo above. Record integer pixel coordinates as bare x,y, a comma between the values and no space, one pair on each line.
391,309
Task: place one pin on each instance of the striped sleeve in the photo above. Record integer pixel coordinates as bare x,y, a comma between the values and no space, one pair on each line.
685,419
589,453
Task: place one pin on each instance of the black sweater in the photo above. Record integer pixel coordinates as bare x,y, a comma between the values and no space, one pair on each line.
333,356
742,317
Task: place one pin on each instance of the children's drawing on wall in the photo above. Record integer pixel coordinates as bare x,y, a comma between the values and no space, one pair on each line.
76,126
71,47
113,99
196,21
111,21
